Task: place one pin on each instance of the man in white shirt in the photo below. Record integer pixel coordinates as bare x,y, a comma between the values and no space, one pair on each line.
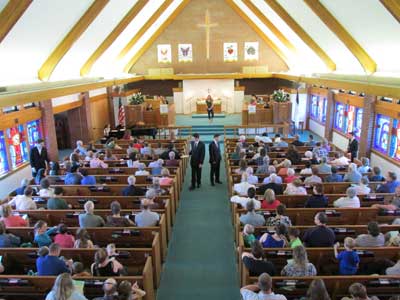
340,160
25,201
350,201
142,171
261,291
251,196
242,187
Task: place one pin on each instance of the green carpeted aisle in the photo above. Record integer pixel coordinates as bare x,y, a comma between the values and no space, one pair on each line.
201,254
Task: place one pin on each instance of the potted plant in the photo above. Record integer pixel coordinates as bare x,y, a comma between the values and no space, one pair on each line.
280,96
282,107
136,99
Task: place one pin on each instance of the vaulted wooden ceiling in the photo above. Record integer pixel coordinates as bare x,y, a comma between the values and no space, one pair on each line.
62,40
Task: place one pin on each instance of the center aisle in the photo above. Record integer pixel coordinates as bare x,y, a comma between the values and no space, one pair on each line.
201,255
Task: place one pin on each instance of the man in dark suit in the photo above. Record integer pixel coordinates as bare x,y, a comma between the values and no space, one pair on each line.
197,153
38,157
215,159
352,148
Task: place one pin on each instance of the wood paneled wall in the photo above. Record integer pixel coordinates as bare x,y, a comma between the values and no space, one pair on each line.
100,114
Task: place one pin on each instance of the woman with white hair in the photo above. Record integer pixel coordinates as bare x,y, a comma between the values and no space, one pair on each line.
295,188
363,188
252,179
286,164
272,170
350,201
290,175
156,167
142,171
352,174
165,179
364,168
242,187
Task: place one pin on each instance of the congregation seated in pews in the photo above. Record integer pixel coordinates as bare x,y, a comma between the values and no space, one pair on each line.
307,218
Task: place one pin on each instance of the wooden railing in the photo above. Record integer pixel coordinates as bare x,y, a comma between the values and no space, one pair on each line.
165,131
252,130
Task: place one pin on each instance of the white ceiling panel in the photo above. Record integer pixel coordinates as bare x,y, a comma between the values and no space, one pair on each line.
40,29
373,27
83,48
344,59
107,64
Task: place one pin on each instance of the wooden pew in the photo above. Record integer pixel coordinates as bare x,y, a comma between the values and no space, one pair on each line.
70,217
25,287
336,216
337,286
122,237
134,259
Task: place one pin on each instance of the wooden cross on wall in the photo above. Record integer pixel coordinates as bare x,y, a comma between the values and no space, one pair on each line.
207,26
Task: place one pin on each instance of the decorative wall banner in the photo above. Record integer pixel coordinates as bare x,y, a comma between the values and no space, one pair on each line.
185,53
230,52
250,51
164,54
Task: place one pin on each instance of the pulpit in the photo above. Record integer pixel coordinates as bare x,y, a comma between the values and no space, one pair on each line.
133,114
151,113
282,112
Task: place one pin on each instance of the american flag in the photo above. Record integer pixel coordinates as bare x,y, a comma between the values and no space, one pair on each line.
121,113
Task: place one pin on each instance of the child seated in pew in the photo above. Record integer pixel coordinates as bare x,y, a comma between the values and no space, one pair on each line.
348,259
78,270
63,238
294,239
83,240
42,233
248,235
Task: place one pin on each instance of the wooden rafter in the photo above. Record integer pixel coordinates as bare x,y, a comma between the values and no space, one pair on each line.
145,27
155,35
255,10
58,53
330,21
283,14
393,6
131,14
254,26
11,14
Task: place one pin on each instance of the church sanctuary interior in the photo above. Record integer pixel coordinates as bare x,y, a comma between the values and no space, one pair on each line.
200,149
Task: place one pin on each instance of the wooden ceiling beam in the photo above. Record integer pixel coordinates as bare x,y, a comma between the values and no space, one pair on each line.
130,15
302,34
338,29
393,6
144,28
261,33
72,36
256,11
10,15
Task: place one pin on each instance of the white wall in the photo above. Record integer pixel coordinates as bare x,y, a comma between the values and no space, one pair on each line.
384,164
317,128
340,141
10,183
299,110
101,91
64,99
178,100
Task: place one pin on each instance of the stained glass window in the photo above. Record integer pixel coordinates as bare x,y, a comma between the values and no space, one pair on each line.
382,130
318,108
34,132
314,107
339,116
3,155
18,149
395,140
348,118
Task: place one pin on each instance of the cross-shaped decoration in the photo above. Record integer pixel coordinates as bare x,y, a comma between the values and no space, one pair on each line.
207,25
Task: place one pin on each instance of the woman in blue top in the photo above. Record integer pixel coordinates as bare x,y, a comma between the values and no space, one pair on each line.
42,234
276,240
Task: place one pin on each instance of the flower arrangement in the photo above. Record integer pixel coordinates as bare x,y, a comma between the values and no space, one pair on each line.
280,96
136,99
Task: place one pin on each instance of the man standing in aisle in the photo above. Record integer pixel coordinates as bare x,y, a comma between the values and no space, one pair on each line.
352,147
38,157
215,159
197,153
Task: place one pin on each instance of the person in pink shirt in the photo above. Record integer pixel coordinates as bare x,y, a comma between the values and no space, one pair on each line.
9,219
63,238
165,179
269,201
290,176
96,162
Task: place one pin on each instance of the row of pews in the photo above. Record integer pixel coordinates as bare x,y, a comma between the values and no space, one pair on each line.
344,221
142,250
